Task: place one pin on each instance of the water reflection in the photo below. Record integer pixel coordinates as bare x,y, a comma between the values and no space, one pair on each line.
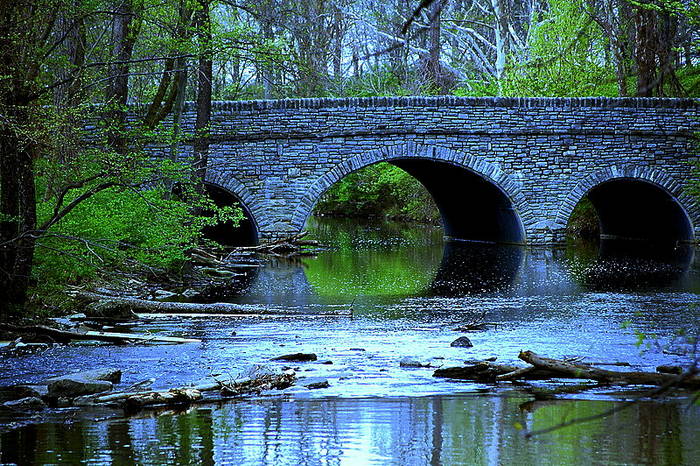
615,265
428,430
476,268
414,287
388,260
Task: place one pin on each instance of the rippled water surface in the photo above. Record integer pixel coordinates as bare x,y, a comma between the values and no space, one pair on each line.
409,289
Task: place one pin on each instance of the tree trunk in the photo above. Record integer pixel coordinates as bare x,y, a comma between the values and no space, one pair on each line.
433,65
112,304
204,92
17,208
500,10
645,56
124,32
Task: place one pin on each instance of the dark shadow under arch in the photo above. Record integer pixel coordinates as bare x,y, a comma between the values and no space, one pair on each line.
477,199
246,234
472,207
634,209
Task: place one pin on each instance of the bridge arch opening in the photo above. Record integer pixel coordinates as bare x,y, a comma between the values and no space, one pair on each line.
226,234
471,206
635,209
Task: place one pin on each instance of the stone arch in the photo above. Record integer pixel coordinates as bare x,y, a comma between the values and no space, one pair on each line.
488,171
251,207
650,175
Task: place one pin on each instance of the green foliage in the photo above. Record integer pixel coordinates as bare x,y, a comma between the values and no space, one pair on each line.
350,272
121,229
379,190
563,61
564,52
378,82
101,210
583,223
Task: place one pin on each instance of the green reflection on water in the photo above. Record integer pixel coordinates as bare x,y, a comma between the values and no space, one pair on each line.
454,429
373,260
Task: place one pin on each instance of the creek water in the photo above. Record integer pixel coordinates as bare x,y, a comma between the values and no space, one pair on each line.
409,289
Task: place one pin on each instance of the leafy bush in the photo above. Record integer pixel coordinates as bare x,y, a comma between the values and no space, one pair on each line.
121,229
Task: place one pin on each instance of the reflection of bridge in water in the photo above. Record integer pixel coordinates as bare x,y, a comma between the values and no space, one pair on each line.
631,265
472,268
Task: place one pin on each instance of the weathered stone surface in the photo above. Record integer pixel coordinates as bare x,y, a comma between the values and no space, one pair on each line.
110,375
544,154
31,403
71,387
462,342
16,392
297,357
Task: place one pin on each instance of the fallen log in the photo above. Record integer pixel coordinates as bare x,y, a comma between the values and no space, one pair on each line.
141,305
582,371
136,400
488,372
258,384
516,374
293,245
170,397
66,336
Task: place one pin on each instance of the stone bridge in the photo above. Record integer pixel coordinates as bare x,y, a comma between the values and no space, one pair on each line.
499,169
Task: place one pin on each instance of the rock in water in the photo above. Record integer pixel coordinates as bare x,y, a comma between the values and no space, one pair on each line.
110,308
411,362
313,384
109,375
462,342
70,387
17,392
677,370
297,357
31,403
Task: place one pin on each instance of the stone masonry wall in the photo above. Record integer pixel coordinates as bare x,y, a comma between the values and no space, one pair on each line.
280,156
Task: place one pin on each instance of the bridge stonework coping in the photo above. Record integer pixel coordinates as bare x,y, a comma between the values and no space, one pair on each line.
543,154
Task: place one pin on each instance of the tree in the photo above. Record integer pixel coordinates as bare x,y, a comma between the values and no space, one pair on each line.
42,49
204,92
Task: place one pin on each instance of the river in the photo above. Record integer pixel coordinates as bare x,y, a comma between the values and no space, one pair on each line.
409,289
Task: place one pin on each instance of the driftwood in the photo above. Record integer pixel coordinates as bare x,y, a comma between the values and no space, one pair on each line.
143,305
66,336
171,397
584,371
287,247
516,374
541,368
202,257
257,384
475,325
488,372
135,400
